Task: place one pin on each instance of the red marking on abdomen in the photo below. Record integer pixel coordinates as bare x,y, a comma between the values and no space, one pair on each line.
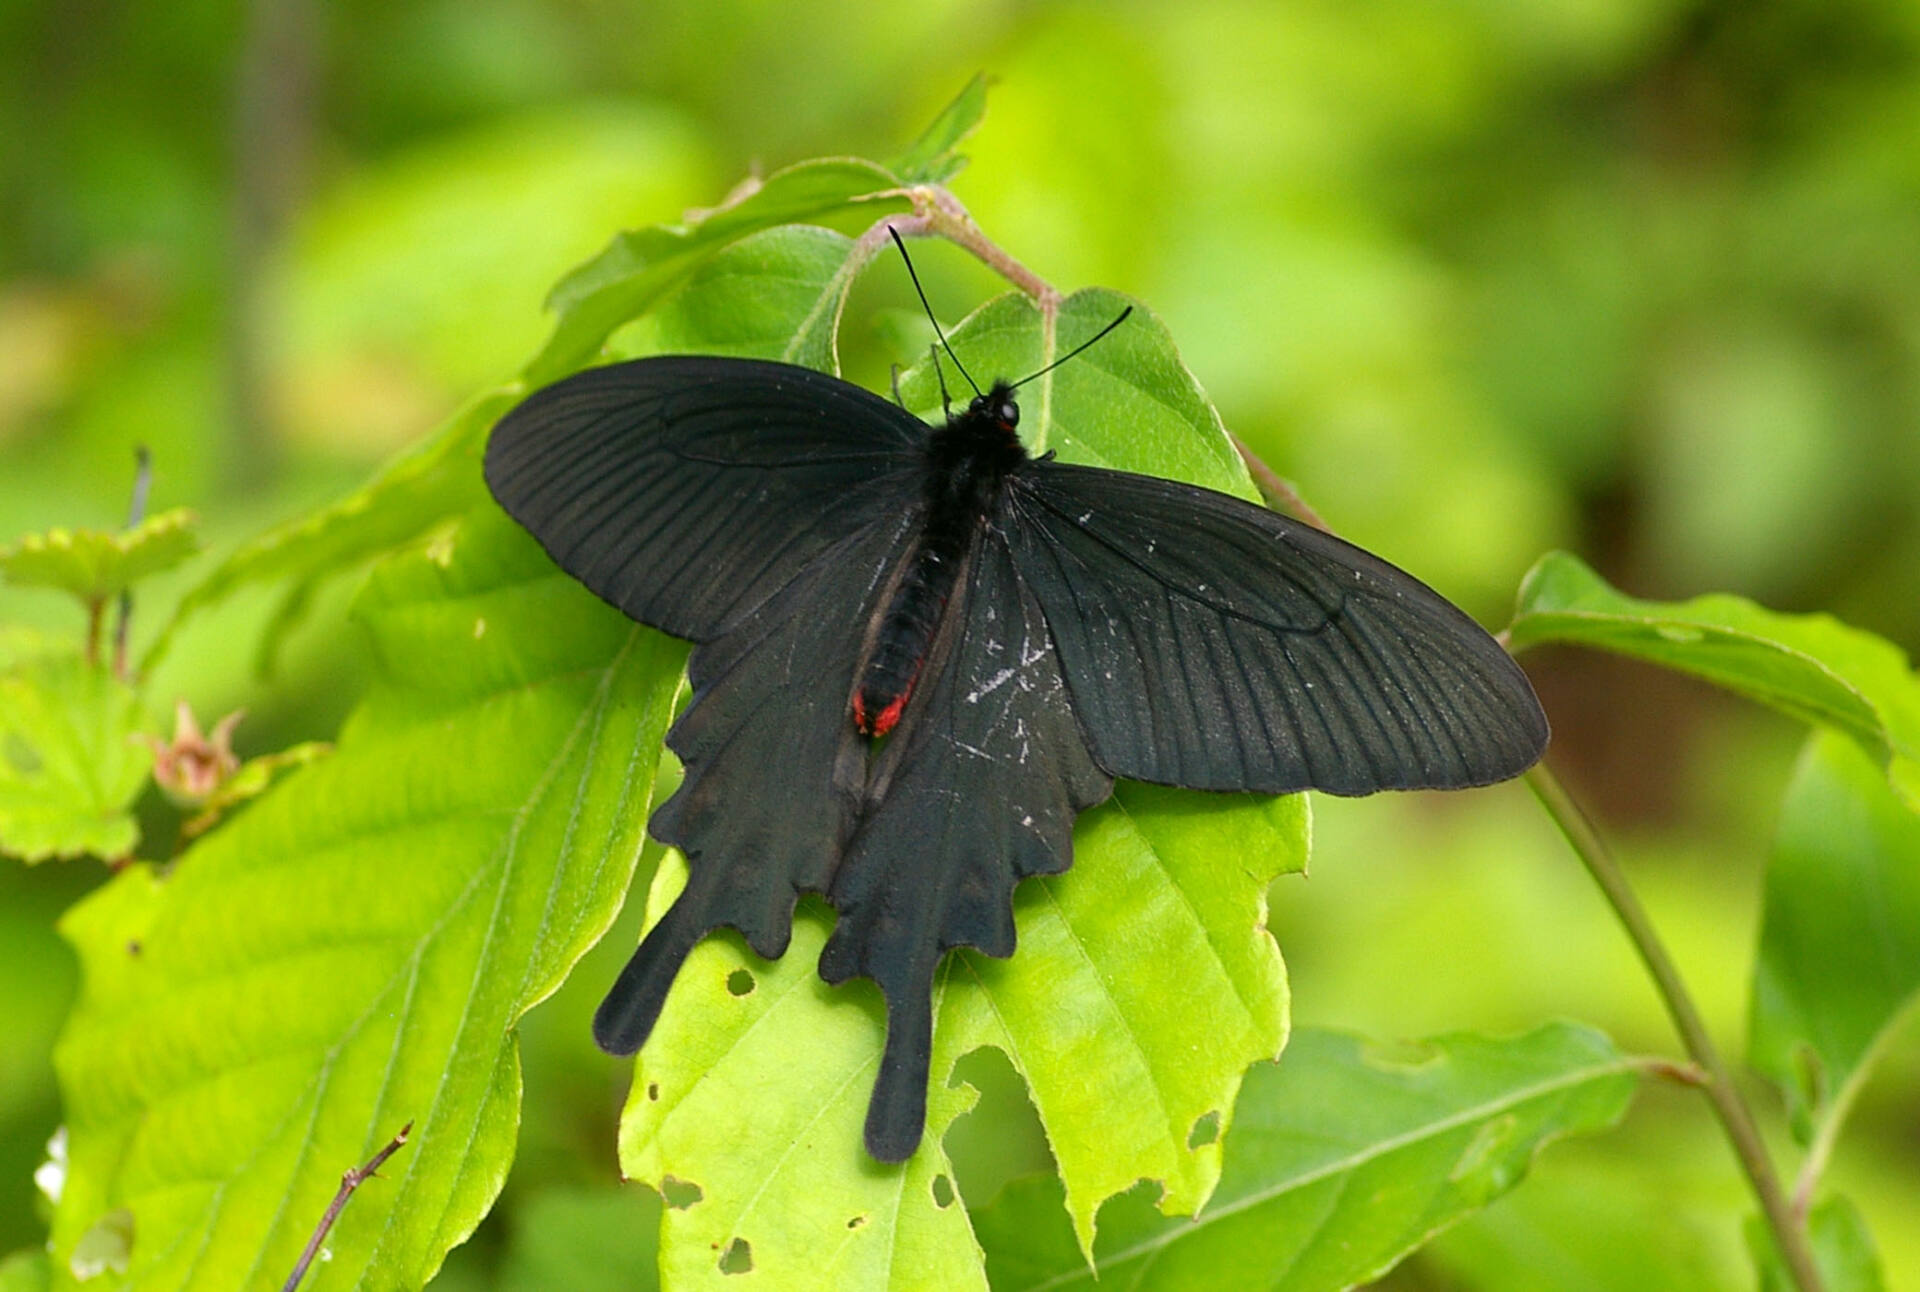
890,715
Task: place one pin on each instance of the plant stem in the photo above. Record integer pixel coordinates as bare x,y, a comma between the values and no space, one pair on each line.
96,613
938,213
1720,1090
136,512
350,1180
1276,488
945,217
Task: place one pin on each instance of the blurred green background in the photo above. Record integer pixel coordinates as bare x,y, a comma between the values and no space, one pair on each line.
1637,277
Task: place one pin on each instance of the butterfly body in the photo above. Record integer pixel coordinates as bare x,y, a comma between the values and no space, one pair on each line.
1020,631
968,462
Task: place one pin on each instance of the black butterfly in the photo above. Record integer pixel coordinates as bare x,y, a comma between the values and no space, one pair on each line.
921,653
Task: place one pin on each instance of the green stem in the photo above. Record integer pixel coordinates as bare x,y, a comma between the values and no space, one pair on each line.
1720,1090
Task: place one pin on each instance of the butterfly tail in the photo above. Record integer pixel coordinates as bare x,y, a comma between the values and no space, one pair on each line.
897,1113
632,1006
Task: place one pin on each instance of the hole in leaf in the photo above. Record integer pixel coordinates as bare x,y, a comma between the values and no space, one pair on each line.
942,1191
1205,1131
653,1091
106,1247
740,982
738,1258
856,1222
680,1194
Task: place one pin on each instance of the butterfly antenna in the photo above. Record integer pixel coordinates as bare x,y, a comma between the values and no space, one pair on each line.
929,309
946,400
1076,350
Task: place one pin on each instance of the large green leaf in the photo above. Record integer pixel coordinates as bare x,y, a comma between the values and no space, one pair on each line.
1343,1158
640,266
1143,985
777,294
70,767
1810,666
424,487
746,1114
352,953
1839,962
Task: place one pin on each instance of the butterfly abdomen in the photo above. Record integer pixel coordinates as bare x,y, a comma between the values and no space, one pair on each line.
900,649
968,462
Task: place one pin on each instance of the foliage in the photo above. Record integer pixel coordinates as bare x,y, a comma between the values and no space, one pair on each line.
1810,666
355,944
70,768
1348,1156
1839,962
93,564
352,953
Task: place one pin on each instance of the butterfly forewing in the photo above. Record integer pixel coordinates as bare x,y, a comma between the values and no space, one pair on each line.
686,489
1213,644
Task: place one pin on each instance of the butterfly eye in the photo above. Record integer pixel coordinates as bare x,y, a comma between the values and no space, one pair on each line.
1008,414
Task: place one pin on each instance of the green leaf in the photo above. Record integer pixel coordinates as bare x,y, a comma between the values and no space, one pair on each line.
1133,1080
771,295
1839,962
95,564
932,158
1344,1158
1812,667
70,766
746,1114
754,1084
642,265
1128,402
352,953
26,1271
425,487
1843,1251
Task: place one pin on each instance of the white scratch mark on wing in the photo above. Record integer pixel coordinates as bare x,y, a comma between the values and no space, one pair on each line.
991,685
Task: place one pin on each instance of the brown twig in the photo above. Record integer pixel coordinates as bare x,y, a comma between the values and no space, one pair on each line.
136,512
1276,488
351,1180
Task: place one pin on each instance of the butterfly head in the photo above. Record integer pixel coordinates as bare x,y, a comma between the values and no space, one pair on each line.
997,406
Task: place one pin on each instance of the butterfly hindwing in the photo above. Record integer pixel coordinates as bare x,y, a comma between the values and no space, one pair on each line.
976,789
774,770
685,489
1216,645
